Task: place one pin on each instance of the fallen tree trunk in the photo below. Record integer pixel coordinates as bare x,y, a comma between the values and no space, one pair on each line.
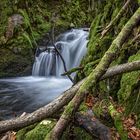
93,126
57,104
93,78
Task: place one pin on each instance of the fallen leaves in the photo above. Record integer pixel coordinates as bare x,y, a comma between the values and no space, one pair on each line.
134,133
89,100
10,135
130,126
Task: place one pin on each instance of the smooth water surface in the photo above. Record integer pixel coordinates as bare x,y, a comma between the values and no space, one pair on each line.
29,93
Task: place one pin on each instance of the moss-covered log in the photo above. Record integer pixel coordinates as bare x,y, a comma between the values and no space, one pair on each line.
94,76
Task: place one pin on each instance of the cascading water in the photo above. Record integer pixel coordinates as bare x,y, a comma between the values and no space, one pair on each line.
71,45
46,83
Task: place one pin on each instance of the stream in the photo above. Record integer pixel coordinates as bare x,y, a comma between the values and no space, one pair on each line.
26,94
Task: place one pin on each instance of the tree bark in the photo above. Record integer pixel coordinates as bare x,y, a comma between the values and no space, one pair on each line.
93,126
123,68
57,104
95,75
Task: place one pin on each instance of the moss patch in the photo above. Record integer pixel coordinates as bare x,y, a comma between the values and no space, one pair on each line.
39,132
76,133
129,94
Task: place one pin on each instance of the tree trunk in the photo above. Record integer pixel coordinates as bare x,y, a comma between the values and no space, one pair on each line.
93,126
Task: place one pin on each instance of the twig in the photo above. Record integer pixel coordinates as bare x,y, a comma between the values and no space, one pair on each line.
72,71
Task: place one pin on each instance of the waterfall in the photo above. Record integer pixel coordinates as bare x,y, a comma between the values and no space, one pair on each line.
71,45
26,94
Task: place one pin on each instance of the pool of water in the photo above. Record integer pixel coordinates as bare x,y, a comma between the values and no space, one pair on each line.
26,94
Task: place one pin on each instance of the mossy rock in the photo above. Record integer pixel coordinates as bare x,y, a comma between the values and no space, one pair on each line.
128,94
21,133
38,132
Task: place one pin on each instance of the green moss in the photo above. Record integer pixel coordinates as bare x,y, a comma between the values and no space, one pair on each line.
76,133
122,23
128,81
83,107
118,122
96,46
40,131
75,12
90,66
21,133
129,94
115,12
37,21
37,132
12,64
107,12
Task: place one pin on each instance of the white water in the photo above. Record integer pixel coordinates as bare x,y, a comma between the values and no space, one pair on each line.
72,46
46,83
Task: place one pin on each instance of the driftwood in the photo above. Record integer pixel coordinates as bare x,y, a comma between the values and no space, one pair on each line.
62,100
93,126
94,77
114,21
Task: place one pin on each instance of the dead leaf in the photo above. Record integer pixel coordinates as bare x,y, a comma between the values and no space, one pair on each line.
89,100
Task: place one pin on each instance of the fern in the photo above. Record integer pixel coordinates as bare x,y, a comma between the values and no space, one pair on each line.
26,18
26,36
28,25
